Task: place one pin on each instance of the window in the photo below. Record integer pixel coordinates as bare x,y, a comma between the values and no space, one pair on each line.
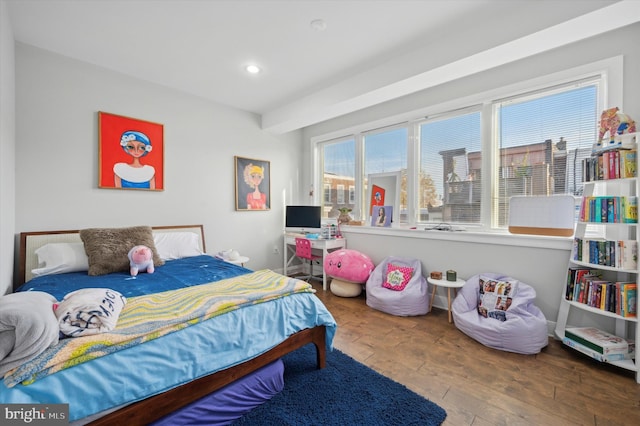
449,185
337,162
460,166
385,151
542,139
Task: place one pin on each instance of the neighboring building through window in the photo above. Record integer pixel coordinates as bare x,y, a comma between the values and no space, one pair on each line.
337,162
340,193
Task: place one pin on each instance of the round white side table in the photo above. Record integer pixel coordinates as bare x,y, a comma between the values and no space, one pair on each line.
455,285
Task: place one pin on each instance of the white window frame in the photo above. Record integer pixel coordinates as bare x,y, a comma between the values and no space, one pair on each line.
611,94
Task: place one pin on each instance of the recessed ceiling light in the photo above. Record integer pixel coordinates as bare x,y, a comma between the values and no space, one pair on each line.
252,69
318,24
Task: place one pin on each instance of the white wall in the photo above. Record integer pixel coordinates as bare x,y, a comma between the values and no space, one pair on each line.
7,150
57,100
543,268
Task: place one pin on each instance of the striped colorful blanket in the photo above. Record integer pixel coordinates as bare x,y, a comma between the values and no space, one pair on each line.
151,316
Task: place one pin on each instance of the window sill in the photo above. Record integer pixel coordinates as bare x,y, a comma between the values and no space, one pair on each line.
497,237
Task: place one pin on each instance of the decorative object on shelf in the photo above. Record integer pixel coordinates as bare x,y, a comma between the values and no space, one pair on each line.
436,275
389,184
344,215
131,153
253,184
613,123
452,275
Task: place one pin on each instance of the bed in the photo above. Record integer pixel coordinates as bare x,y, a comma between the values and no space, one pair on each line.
180,366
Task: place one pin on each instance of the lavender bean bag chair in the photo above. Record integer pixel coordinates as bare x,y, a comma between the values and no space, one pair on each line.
499,312
396,286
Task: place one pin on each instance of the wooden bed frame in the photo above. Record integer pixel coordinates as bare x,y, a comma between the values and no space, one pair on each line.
158,406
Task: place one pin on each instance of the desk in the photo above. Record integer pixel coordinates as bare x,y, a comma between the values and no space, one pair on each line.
326,246
455,285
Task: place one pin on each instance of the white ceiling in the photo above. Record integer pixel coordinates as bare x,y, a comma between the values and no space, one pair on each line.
370,52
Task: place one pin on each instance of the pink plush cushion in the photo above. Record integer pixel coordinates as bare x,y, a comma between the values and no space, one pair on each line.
348,265
397,277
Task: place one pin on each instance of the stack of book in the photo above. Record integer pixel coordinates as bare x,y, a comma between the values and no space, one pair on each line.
599,344
611,164
616,253
609,209
585,285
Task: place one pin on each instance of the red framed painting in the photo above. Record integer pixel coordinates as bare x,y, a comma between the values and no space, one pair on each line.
377,198
131,153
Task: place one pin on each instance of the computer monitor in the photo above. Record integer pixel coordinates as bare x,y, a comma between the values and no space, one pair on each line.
303,218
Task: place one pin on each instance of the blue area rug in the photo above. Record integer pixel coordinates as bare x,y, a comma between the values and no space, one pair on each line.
345,392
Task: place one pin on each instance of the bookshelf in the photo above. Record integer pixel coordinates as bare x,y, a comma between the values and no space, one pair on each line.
603,265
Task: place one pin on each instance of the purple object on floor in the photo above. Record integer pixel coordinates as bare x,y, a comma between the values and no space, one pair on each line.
232,401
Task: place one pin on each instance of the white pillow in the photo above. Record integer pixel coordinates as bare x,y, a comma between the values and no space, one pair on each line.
58,258
176,245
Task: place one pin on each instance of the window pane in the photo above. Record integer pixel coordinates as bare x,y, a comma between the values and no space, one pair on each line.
338,159
386,152
340,194
449,177
542,140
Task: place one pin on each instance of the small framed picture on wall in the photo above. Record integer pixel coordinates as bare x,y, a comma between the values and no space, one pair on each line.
253,184
131,153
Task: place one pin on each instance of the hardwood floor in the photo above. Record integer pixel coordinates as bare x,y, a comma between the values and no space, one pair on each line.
477,385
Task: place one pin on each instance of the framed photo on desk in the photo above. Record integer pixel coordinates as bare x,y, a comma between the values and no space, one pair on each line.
389,187
382,216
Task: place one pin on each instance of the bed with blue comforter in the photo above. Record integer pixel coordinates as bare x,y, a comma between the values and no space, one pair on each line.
197,324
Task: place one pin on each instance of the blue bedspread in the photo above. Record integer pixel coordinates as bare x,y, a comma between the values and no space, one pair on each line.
173,274
169,361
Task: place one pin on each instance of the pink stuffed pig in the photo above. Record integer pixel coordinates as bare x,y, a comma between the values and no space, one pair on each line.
348,265
141,260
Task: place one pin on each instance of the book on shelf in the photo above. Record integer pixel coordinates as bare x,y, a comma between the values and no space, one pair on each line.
628,167
630,209
628,300
610,164
618,254
627,254
587,286
597,355
600,341
575,281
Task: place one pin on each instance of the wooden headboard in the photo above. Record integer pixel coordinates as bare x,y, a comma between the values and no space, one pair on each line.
31,241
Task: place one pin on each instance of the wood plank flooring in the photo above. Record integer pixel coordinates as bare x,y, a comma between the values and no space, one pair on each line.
477,385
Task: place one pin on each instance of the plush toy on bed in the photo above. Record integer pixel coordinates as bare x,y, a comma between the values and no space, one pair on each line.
141,260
